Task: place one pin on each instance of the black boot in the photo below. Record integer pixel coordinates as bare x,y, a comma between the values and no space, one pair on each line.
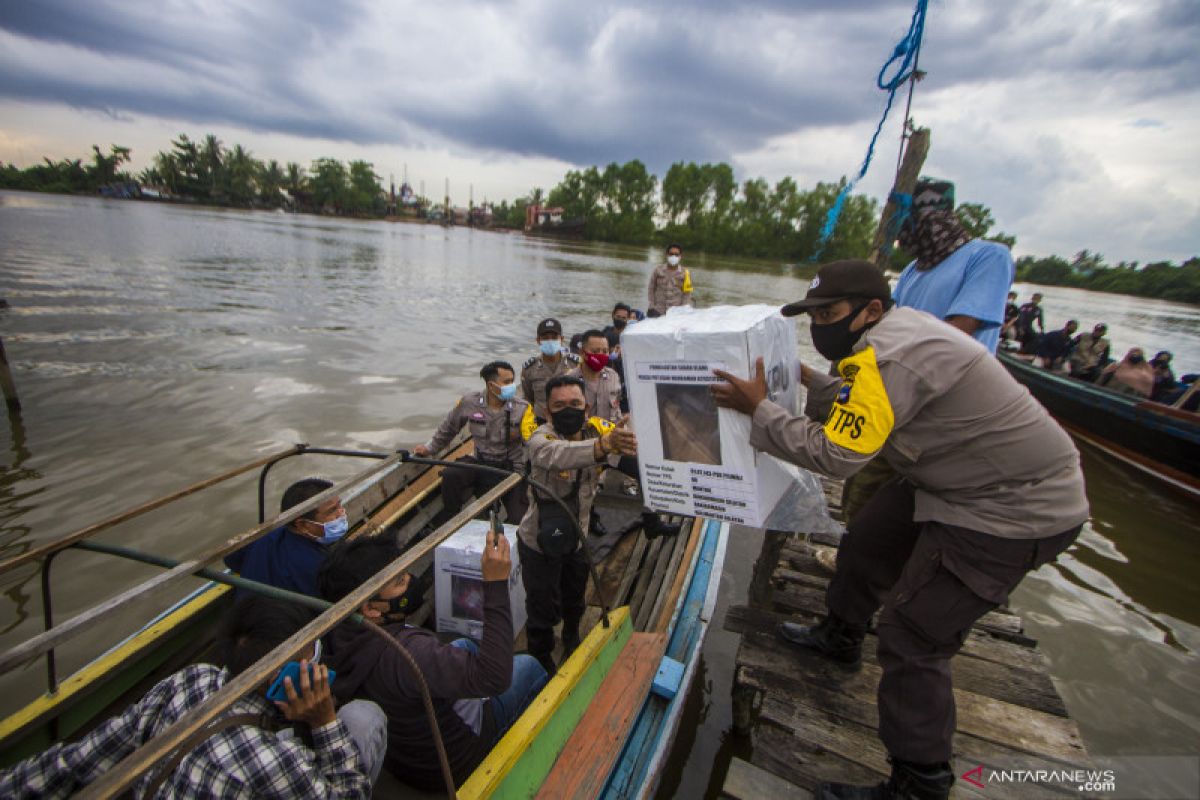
837,640
908,781
540,642
653,526
570,638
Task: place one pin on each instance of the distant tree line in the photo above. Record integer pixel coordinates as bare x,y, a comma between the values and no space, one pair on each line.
1163,280
205,171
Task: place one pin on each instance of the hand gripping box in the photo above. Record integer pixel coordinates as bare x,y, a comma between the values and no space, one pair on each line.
695,458
458,582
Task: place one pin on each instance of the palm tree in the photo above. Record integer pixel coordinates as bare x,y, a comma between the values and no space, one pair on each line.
211,158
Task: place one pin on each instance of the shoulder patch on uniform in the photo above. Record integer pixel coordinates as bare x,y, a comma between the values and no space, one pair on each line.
861,418
601,426
574,359
532,360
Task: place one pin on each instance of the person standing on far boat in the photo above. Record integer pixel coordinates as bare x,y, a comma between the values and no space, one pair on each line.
989,488
670,284
565,455
1029,314
1089,354
553,360
495,417
289,557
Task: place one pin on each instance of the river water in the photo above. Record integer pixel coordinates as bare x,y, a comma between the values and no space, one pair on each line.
155,345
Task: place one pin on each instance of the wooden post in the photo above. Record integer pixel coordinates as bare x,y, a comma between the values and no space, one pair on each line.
760,592
6,382
906,179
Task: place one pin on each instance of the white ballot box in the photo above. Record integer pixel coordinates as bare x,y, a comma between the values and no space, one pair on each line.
458,582
695,458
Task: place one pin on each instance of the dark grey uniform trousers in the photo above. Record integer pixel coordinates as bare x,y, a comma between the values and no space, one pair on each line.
933,582
554,591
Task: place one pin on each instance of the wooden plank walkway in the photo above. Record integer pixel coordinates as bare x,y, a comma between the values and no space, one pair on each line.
810,721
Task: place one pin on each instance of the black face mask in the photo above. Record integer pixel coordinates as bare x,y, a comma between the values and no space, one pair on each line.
568,421
406,603
1136,359
620,323
835,341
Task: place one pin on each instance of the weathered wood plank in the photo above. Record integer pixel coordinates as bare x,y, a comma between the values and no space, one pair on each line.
657,572
1012,683
662,615
744,781
805,599
1005,724
593,747
631,569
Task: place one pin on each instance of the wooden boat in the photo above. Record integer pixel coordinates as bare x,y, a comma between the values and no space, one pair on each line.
596,728
1157,439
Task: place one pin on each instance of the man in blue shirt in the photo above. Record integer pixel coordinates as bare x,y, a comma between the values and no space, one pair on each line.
289,557
958,279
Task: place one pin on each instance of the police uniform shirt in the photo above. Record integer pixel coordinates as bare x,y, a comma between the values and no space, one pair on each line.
555,463
669,287
495,431
536,373
980,451
603,394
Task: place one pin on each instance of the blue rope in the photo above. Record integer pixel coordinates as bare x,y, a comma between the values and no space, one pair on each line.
905,52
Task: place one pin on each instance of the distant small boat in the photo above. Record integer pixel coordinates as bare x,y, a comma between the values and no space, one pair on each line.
1157,439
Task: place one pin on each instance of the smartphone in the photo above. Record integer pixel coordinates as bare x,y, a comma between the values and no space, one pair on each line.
290,670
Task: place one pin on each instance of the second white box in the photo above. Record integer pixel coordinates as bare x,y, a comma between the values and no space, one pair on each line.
458,581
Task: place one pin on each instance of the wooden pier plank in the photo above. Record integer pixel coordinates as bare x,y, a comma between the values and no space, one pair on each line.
1013,683
745,781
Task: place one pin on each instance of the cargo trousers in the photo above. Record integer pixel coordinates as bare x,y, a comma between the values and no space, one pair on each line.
554,591
933,582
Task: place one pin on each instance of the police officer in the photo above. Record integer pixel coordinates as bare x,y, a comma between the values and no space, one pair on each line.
495,417
670,284
565,455
602,392
989,488
602,384
552,360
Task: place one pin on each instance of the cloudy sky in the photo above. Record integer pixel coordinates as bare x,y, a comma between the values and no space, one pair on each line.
1076,121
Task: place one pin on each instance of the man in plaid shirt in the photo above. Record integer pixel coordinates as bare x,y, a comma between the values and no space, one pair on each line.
238,761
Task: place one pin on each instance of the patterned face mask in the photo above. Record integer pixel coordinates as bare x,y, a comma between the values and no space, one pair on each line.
932,236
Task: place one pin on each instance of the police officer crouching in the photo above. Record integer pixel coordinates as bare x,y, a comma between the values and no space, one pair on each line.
495,416
565,456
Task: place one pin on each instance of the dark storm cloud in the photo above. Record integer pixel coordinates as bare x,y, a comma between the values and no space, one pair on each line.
698,81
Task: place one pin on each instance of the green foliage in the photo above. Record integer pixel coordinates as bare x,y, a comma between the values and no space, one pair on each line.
1162,280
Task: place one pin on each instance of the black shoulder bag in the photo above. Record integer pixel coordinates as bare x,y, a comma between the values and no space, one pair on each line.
556,536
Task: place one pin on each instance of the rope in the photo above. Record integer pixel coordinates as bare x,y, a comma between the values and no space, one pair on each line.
905,52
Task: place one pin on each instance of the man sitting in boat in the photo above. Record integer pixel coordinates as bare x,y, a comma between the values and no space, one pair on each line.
989,488
565,455
340,757
289,557
478,689
1089,354
1056,346
496,417
1165,384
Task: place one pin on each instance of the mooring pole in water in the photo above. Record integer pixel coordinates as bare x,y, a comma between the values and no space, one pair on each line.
6,382
906,180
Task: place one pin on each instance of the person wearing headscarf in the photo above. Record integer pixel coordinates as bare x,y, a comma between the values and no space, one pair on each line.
1130,375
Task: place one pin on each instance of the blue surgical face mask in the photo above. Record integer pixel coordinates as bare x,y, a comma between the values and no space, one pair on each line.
550,347
508,392
335,529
